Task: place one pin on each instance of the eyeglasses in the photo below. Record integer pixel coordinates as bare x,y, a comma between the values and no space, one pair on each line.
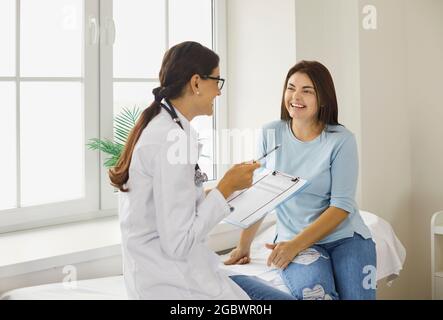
220,81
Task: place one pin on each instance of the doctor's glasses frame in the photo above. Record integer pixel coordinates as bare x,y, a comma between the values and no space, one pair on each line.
220,81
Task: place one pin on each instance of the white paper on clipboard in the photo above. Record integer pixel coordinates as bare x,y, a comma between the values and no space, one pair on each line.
266,193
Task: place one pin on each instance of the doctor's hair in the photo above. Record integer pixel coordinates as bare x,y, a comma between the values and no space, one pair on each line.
180,63
324,89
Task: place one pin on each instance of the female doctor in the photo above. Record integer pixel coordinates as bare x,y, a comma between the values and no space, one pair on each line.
164,213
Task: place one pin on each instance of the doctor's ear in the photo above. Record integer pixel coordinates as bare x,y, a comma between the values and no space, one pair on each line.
194,84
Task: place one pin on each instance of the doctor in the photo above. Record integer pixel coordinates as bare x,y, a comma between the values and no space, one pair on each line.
164,213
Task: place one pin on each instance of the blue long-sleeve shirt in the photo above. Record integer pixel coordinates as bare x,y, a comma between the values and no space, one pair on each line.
330,164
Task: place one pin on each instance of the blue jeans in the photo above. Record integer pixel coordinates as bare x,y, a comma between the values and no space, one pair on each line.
344,269
258,289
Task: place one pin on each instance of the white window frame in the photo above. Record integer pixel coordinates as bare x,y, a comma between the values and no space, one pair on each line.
221,110
55,213
100,199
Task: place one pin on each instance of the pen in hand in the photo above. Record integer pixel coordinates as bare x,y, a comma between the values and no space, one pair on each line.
267,153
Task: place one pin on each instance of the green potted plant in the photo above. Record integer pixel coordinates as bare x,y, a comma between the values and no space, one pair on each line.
123,124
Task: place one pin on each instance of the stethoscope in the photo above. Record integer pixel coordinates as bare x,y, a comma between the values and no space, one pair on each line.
199,176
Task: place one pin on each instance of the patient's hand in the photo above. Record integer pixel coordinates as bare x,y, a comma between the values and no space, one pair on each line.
239,256
282,253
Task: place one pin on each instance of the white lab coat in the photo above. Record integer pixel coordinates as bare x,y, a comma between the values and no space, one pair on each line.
165,220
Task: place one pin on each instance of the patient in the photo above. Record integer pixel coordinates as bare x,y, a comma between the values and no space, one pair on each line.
322,247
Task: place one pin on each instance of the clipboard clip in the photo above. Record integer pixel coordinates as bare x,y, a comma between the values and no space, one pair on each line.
296,179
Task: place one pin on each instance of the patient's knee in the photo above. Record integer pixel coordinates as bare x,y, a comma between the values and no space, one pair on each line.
318,293
308,256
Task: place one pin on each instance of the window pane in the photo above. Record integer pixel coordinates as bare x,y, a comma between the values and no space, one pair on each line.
8,159
7,37
203,125
131,94
52,142
51,38
140,38
190,20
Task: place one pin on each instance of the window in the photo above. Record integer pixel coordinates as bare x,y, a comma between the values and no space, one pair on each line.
136,61
69,66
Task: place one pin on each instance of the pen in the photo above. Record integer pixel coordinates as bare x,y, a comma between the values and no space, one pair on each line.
267,153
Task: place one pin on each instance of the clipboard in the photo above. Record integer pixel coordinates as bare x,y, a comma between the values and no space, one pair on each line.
266,193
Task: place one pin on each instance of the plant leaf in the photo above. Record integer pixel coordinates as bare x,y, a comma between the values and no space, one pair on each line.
111,162
123,124
105,146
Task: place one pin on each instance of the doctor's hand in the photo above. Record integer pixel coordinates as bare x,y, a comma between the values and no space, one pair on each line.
282,253
239,256
238,177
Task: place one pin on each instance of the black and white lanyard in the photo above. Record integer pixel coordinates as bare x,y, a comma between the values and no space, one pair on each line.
199,176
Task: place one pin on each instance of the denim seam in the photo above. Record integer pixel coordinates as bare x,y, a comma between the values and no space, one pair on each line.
288,284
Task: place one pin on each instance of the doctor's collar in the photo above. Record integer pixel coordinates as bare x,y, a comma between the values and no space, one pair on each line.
185,122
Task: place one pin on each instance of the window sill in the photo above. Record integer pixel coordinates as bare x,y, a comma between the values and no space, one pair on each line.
44,248
54,246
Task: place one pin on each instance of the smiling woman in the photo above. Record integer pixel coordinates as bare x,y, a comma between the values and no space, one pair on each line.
321,246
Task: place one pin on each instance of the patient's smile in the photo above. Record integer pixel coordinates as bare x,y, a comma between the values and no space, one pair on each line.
297,105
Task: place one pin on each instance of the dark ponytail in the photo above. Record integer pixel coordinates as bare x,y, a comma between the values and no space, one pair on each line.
179,64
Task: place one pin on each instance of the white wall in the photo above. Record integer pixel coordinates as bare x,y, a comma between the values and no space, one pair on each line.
424,28
261,49
401,94
386,146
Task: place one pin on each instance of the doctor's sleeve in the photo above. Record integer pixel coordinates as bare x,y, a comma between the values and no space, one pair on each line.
181,223
344,175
